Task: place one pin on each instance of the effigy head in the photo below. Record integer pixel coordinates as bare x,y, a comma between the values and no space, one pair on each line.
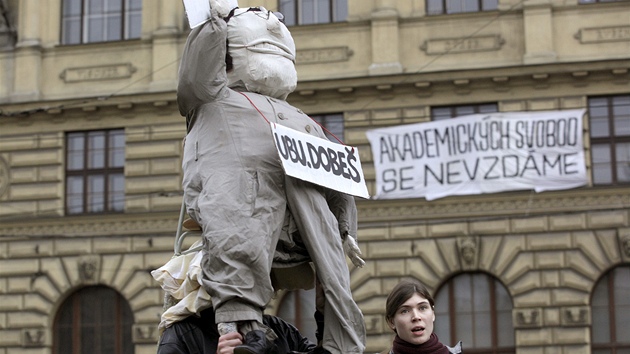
262,52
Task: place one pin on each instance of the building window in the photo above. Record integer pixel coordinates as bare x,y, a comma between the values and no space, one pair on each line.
308,12
89,21
298,308
476,309
610,139
446,112
441,7
597,1
610,309
333,124
95,180
94,320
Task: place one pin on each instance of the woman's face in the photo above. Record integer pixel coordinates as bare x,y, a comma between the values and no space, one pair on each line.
413,321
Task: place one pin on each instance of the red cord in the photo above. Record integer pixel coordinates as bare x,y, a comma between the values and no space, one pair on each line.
250,101
266,120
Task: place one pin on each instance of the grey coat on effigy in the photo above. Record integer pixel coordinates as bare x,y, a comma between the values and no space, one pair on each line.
236,189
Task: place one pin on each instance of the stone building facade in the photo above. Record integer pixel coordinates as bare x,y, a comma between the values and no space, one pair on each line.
385,63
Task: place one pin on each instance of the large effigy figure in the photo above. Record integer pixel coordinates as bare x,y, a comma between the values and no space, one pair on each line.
236,72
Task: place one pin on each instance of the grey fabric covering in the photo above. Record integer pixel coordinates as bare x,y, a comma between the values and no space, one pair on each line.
236,189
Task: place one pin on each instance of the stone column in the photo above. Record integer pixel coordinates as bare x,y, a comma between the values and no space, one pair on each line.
165,49
28,51
385,50
169,15
538,29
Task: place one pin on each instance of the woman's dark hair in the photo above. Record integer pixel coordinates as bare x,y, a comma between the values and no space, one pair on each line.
401,293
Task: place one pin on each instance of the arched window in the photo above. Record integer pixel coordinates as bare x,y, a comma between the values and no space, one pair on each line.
476,309
611,313
298,308
93,320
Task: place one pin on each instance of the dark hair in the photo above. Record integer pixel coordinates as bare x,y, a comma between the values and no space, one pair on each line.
401,293
229,64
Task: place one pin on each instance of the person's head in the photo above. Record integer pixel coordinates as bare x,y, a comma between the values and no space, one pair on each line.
261,52
409,311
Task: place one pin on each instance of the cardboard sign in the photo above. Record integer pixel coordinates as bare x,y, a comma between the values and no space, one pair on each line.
197,12
320,161
481,153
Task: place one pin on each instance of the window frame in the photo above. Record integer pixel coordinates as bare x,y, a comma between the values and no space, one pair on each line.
445,8
85,172
71,317
611,141
85,19
325,121
449,287
477,109
296,16
589,2
608,281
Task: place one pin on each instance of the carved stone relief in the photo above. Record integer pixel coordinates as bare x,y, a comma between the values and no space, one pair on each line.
462,45
468,248
603,34
144,333
323,55
624,243
95,73
33,337
575,316
89,267
372,324
526,318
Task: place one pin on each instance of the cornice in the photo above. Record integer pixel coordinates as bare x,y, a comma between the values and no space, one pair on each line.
80,105
92,226
492,206
497,74
371,212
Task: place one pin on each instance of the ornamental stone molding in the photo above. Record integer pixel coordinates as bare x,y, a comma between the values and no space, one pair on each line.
518,205
603,34
462,45
323,55
124,224
5,178
97,73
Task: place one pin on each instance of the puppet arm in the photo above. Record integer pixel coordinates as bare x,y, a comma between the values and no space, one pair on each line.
202,75
352,250
345,210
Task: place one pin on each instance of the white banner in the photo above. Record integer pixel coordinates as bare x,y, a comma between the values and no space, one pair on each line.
320,161
481,153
